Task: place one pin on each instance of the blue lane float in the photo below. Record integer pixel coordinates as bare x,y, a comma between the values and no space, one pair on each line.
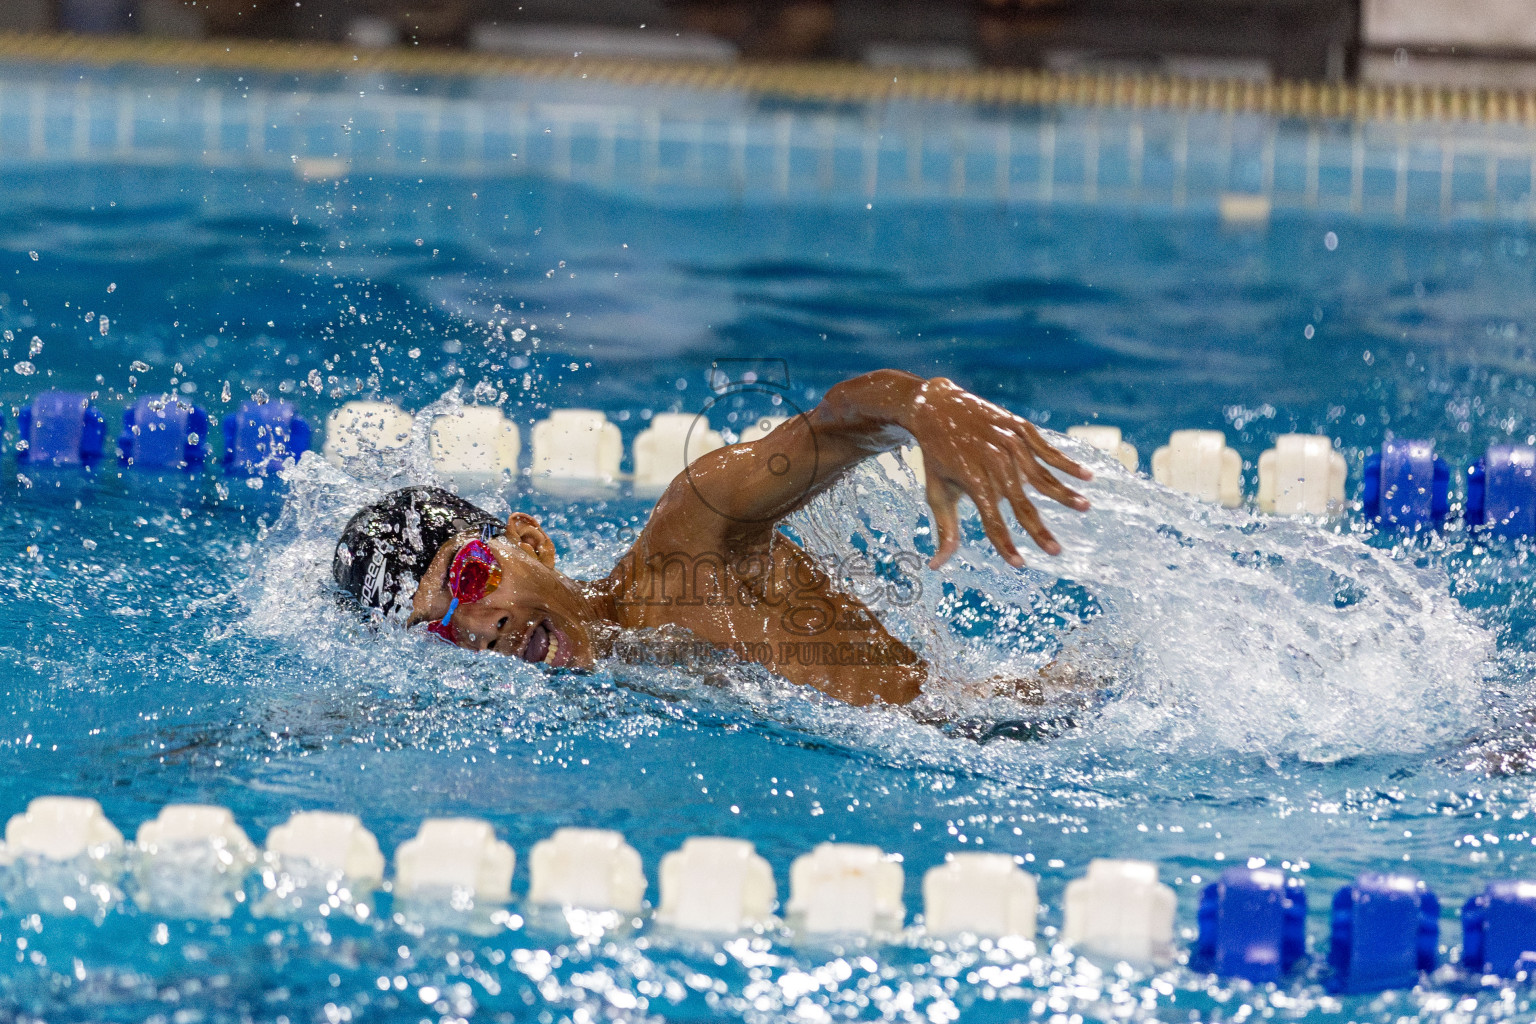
1406,485
1253,924
258,437
1385,933
1501,491
1498,929
60,428
163,433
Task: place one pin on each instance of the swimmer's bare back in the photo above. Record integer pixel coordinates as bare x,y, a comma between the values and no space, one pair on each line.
711,558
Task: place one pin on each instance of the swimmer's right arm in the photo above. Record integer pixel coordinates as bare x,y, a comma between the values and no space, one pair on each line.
970,446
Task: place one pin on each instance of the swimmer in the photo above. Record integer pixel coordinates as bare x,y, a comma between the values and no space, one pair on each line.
711,559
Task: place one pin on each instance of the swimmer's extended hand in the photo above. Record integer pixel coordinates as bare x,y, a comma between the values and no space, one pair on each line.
973,447
970,446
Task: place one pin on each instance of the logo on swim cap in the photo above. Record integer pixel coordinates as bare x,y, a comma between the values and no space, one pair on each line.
373,581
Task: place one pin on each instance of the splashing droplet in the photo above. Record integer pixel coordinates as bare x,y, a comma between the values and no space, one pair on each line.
25,368
139,366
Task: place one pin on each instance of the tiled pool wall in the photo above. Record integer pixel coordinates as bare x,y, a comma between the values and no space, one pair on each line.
705,146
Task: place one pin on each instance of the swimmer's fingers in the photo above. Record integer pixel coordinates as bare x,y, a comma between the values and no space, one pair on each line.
997,530
1048,453
1052,488
1044,481
1029,518
1026,468
943,499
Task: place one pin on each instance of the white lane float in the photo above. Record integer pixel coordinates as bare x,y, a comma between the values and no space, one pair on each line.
475,442
666,447
1198,462
1301,475
330,843
1119,909
1109,440
365,429
712,884
576,451
191,860
455,855
61,828
983,894
62,855
586,869
846,887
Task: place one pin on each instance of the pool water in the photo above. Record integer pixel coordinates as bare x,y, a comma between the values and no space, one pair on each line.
1307,694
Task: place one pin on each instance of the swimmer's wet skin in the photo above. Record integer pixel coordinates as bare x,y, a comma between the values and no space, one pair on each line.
711,559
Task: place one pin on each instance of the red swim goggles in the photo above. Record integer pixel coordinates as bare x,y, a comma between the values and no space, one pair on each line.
473,574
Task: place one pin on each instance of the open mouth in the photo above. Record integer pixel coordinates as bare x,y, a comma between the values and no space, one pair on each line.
547,645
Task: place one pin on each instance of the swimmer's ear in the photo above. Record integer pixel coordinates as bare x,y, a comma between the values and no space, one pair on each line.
525,531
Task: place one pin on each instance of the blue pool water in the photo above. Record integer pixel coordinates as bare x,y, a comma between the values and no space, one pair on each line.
1303,693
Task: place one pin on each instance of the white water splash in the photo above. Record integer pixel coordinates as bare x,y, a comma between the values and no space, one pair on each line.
1218,631
1221,630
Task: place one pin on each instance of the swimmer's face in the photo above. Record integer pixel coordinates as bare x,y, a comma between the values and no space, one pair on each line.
537,613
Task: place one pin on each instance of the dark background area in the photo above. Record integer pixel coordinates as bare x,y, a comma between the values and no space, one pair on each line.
1263,39
1467,43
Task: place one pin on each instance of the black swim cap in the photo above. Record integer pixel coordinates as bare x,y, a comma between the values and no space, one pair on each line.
386,548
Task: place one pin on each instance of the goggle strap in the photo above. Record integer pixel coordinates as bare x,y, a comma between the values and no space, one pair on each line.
453,606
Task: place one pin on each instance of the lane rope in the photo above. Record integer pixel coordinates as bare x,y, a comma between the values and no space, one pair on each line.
816,82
